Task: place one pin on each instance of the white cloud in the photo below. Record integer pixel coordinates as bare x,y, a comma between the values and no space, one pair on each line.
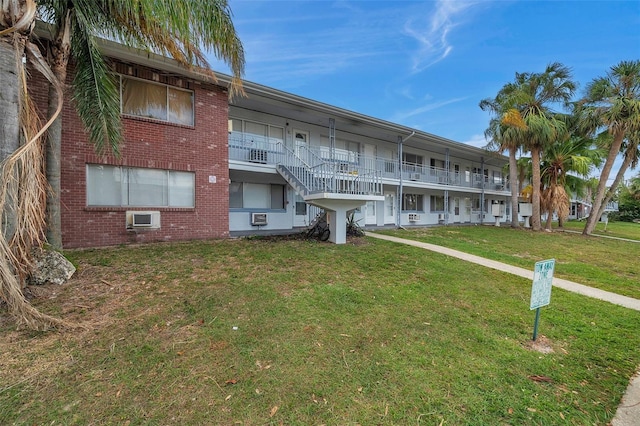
402,116
432,32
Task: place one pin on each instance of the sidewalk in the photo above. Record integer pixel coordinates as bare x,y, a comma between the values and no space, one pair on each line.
628,413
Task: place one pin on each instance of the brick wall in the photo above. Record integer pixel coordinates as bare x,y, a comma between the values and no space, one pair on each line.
147,143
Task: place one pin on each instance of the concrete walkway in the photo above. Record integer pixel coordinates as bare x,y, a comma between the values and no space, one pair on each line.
628,413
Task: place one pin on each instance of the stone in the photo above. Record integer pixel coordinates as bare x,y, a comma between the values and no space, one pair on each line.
50,267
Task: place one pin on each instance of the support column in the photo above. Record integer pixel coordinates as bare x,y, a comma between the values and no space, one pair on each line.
482,191
399,197
446,191
337,220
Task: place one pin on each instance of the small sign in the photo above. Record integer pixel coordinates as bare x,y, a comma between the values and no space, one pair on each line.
542,282
212,179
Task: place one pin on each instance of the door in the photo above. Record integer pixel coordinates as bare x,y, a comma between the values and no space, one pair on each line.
389,207
300,212
456,210
466,210
300,144
370,213
369,157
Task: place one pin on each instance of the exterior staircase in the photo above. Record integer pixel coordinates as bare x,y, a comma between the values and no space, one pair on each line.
329,185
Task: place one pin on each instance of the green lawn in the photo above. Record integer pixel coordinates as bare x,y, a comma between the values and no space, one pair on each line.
628,230
604,263
259,332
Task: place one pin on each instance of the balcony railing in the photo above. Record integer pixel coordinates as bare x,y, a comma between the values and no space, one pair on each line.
263,150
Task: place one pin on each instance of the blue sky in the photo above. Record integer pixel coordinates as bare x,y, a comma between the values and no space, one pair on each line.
427,64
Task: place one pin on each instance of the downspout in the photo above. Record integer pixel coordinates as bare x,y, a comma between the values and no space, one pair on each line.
401,140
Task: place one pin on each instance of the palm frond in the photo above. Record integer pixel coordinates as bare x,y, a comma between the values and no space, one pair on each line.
96,92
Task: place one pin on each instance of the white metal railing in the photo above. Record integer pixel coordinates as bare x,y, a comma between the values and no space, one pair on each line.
315,175
351,166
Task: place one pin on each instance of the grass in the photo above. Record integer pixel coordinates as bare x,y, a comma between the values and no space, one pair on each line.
603,263
628,230
293,332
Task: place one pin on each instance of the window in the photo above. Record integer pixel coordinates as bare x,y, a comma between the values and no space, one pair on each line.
261,134
437,203
438,164
408,157
245,195
158,101
412,202
138,187
497,177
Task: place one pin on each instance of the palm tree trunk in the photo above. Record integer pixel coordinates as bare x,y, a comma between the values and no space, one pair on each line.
61,48
535,194
628,158
513,185
10,60
614,150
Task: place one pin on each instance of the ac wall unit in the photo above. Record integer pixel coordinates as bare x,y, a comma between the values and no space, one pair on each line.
414,176
413,217
258,219
143,219
258,156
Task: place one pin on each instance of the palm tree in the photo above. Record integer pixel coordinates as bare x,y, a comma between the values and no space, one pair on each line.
530,99
502,137
179,28
612,102
22,189
562,159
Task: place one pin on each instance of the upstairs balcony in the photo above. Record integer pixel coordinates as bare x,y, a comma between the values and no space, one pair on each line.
261,150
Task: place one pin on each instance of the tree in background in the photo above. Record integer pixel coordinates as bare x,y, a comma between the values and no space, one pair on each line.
565,163
503,136
613,103
180,29
529,101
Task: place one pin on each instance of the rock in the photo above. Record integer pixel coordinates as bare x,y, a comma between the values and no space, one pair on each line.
50,267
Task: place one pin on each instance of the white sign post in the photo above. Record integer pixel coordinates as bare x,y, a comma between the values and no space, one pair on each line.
541,289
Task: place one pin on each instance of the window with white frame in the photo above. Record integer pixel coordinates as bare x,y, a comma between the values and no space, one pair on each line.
410,158
436,203
412,202
245,195
260,135
139,187
437,164
143,98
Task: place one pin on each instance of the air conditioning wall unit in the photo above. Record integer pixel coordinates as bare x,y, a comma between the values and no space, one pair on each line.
258,219
414,217
414,176
142,219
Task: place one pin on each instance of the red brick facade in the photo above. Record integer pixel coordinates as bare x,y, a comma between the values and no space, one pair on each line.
202,149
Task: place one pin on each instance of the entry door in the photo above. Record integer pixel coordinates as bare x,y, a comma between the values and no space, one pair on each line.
370,213
370,156
300,142
456,210
466,210
300,212
389,207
